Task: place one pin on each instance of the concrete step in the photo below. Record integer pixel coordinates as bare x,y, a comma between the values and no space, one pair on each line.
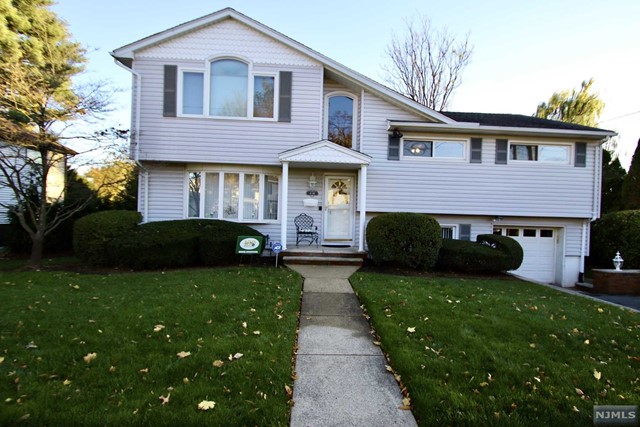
300,253
322,260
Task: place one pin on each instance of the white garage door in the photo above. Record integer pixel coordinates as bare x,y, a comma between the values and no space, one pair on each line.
539,245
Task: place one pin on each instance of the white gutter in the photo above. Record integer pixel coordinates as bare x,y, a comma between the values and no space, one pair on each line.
136,138
464,127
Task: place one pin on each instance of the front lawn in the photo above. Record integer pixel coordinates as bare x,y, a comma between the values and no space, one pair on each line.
147,348
502,352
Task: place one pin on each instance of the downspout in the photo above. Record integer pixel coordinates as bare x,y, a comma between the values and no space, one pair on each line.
595,210
136,139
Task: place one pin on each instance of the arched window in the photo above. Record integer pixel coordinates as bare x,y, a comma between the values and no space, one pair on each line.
229,88
340,121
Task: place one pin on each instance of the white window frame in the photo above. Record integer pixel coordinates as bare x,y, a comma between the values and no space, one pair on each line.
325,118
454,230
569,146
465,150
206,88
241,174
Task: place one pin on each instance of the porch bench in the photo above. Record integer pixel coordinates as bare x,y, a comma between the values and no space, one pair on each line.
305,230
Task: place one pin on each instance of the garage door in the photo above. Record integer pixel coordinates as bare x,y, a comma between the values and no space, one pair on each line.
539,245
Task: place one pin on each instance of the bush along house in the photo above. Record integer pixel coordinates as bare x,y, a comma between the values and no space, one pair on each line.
233,120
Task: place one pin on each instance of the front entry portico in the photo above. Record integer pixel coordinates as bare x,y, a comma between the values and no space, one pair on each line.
343,172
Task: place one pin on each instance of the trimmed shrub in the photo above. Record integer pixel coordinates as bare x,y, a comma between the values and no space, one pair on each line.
470,257
92,234
404,239
617,231
217,246
179,243
507,246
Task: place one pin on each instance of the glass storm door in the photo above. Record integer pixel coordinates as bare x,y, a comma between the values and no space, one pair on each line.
338,213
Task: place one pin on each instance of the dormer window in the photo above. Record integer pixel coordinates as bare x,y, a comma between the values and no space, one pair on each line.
340,122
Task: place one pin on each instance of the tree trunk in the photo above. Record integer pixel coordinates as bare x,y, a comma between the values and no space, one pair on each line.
37,246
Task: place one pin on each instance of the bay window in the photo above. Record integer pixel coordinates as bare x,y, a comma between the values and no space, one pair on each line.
233,196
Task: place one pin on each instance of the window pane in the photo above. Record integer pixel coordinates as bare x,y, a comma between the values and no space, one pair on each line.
546,233
194,194
524,152
553,153
271,197
447,232
211,195
417,148
192,93
449,149
251,196
340,127
529,232
263,96
229,83
513,232
231,195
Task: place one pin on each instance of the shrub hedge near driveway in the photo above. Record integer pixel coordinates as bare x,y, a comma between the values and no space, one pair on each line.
617,231
489,254
116,240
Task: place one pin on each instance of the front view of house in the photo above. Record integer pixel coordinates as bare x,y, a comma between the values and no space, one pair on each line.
232,120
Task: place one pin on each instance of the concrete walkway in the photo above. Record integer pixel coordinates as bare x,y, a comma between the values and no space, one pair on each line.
342,380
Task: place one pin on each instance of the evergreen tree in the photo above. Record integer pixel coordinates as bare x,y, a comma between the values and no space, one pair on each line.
613,175
631,186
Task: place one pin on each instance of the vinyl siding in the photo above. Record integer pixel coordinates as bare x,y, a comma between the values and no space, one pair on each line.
460,187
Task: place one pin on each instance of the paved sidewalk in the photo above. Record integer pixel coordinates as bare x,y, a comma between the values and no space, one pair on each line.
342,380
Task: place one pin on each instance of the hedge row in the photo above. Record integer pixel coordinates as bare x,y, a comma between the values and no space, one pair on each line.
114,238
617,231
489,254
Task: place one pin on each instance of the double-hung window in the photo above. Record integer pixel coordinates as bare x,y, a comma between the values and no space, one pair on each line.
442,149
233,196
544,153
228,89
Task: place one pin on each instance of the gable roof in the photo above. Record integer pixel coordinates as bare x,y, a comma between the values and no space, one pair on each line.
325,152
126,54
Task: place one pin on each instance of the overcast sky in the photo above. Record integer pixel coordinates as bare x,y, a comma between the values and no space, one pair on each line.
523,51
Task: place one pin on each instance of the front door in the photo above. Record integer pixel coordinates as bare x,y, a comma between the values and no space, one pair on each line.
338,212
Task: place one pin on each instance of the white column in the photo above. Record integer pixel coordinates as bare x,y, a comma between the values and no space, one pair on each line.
284,208
362,190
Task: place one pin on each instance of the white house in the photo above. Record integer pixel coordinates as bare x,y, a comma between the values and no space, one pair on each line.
233,120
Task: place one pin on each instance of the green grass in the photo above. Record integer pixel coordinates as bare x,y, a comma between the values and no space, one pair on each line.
51,320
502,352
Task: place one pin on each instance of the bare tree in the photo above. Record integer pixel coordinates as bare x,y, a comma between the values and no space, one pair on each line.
427,64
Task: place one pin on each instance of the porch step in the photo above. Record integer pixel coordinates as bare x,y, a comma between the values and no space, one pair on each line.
324,257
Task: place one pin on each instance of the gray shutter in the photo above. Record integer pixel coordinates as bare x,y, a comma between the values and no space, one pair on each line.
465,232
170,104
394,148
284,105
476,150
581,155
502,148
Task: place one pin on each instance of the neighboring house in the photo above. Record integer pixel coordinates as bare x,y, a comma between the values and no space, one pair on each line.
12,162
233,120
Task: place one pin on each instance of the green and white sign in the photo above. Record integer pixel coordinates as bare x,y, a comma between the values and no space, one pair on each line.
249,245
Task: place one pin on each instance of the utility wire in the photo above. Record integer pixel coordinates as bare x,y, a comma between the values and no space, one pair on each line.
619,117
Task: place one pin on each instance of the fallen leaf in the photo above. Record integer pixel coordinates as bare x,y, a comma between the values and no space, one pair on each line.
205,405
218,363
586,342
1,359
184,354
378,343
244,325
158,328
580,392
600,310
411,330
574,409
256,332
165,400
90,357
238,356
597,375
31,346
406,401
484,384
112,369
185,380
144,371
389,368
66,382
532,345
289,391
